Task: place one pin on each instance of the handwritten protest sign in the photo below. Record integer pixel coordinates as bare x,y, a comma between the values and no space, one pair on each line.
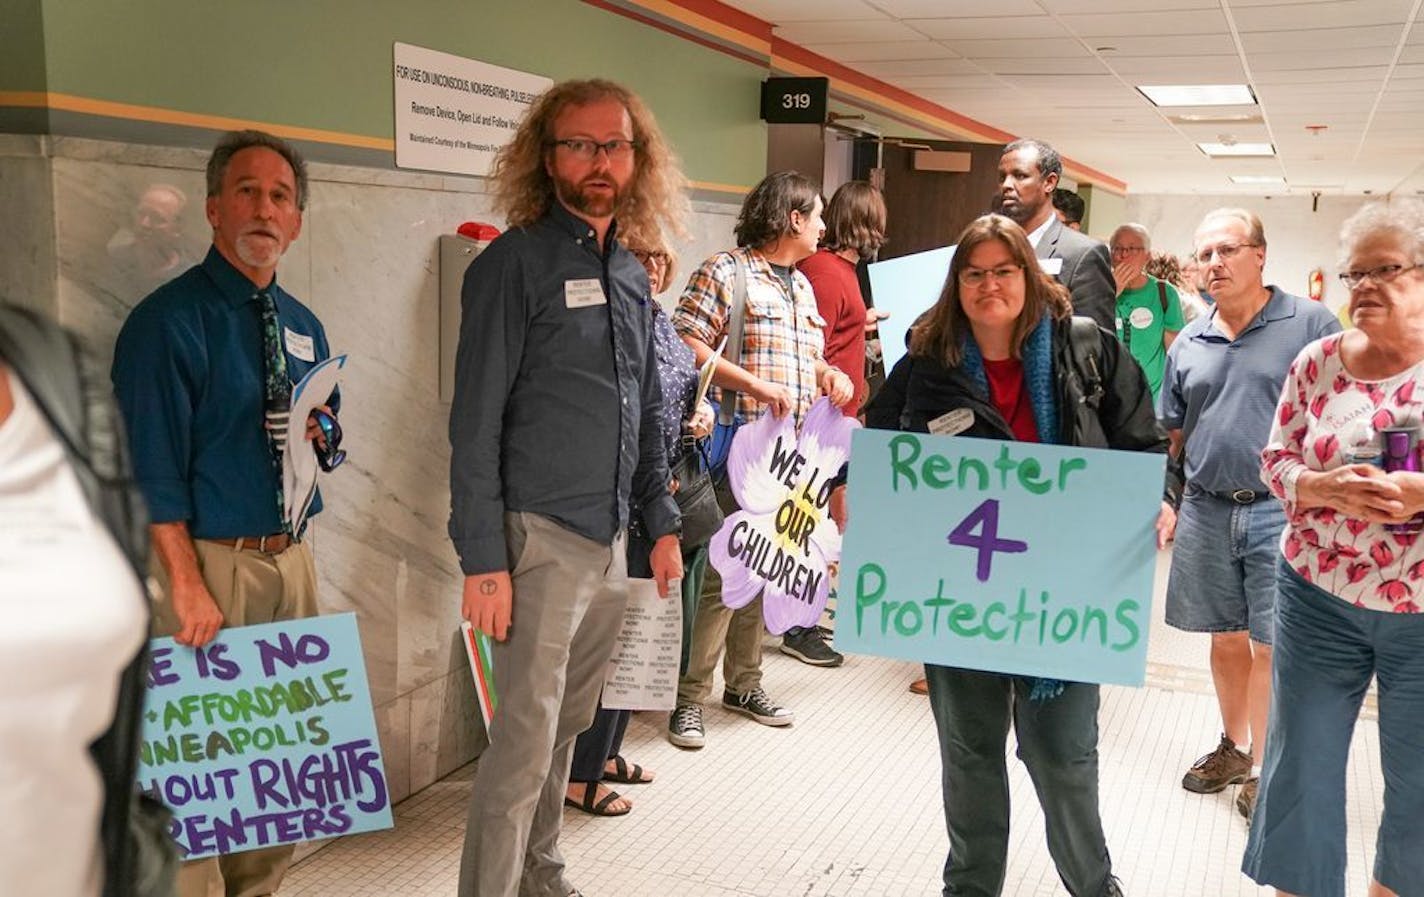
1005,556
264,736
782,541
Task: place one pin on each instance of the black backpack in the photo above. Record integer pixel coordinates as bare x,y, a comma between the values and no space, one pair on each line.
140,856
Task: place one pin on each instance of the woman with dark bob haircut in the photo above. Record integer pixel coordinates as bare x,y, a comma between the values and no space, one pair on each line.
1000,343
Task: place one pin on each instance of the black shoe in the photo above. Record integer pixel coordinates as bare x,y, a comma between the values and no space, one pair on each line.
758,706
685,726
809,646
1114,888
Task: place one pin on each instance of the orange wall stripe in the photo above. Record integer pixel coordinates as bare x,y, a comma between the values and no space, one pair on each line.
71,103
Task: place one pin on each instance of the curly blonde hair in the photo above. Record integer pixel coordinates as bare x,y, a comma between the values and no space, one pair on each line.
656,200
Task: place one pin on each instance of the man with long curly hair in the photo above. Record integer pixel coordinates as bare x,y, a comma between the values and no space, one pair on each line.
555,425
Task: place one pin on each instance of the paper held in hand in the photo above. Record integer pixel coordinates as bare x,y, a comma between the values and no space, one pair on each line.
704,374
642,674
299,466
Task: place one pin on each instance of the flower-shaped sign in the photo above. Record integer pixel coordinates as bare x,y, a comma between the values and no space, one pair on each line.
782,541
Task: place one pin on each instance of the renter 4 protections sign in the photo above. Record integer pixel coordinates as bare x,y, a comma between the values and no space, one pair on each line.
1011,557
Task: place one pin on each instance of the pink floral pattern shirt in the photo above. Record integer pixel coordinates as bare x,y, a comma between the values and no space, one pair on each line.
1323,410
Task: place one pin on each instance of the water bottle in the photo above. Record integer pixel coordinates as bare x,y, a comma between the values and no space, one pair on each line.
1400,453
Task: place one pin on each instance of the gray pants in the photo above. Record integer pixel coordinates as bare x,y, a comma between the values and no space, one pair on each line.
569,597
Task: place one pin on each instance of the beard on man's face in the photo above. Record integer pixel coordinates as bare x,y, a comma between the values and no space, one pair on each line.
596,195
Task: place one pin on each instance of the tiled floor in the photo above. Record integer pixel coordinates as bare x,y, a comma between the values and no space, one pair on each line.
846,802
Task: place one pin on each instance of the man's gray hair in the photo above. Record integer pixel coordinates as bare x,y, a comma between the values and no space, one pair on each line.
234,142
1049,162
1256,231
1401,219
1135,228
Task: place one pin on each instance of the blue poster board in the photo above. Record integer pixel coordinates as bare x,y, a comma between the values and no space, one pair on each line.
264,736
906,287
1010,557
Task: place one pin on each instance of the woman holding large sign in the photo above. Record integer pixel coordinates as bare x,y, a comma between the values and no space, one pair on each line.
1001,357
1344,457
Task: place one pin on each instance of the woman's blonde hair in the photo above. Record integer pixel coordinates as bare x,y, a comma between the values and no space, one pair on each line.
656,199
940,332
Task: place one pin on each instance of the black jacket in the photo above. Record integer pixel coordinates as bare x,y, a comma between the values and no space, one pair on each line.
1103,398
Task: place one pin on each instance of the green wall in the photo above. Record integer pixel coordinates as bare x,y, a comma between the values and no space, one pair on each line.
327,63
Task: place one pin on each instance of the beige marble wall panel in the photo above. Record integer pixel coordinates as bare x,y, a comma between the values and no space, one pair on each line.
27,251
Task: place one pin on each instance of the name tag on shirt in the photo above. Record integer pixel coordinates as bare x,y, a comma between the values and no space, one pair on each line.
953,423
584,293
1051,267
299,346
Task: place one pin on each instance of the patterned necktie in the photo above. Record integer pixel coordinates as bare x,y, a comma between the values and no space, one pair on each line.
277,393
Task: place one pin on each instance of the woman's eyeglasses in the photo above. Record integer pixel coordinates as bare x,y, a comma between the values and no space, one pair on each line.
977,277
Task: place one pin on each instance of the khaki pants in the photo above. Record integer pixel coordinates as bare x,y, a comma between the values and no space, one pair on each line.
249,587
569,596
717,625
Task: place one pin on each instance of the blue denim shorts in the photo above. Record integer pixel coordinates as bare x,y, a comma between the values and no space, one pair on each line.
1325,653
1224,560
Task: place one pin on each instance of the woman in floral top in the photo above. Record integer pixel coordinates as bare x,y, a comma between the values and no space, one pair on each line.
1351,580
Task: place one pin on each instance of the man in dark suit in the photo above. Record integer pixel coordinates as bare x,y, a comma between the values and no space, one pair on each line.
1028,174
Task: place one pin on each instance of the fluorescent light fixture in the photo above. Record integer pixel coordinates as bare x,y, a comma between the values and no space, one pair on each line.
1198,94
1237,149
1257,179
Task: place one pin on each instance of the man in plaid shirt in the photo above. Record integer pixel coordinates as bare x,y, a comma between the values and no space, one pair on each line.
782,370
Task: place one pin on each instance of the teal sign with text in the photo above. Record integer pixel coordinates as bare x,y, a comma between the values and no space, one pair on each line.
1010,557
264,736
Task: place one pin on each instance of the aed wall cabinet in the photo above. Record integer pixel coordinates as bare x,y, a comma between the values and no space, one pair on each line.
795,101
456,253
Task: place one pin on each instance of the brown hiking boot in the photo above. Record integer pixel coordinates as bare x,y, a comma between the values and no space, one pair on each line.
1246,797
1224,766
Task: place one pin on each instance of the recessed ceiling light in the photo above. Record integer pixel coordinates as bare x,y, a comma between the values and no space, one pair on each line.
1237,149
1257,179
1198,94
1216,118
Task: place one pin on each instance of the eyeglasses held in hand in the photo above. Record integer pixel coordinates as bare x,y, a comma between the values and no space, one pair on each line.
976,277
586,150
1226,252
1382,274
331,456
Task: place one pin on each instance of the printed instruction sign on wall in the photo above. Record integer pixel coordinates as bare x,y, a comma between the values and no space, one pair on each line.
264,736
1004,556
453,114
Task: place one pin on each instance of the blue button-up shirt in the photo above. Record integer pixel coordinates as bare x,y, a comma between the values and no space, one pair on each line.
557,404
188,373
1222,392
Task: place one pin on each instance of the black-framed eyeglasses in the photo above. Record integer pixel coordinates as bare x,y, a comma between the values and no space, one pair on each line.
586,150
975,277
1225,251
1379,275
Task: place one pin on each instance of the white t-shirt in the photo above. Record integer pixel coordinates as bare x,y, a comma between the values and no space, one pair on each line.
71,618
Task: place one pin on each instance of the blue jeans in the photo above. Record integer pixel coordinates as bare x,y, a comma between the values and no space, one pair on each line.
1224,565
1058,742
1325,654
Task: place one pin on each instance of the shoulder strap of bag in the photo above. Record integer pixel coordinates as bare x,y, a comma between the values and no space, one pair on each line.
1162,294
736,328
1084,343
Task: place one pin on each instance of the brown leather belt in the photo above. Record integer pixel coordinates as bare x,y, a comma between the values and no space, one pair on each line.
273,544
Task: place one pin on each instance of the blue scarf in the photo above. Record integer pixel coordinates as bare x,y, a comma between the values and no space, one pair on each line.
1038,380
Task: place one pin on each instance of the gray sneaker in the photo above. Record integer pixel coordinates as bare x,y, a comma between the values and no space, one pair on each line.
758,706
685,726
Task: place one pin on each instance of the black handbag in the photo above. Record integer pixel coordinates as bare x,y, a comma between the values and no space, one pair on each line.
696,499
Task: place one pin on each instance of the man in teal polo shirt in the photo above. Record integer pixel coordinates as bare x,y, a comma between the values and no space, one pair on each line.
1149,313
203,370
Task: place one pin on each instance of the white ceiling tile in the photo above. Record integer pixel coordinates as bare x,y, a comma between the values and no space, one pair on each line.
1000,49
988,28
1085,65
883,50
1412,54
1384,37
934,9
779,12
1272,15
1178,23
899,67
1150,46
1339,57
919,83
1090,7
1191,69
1367,74
847,31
